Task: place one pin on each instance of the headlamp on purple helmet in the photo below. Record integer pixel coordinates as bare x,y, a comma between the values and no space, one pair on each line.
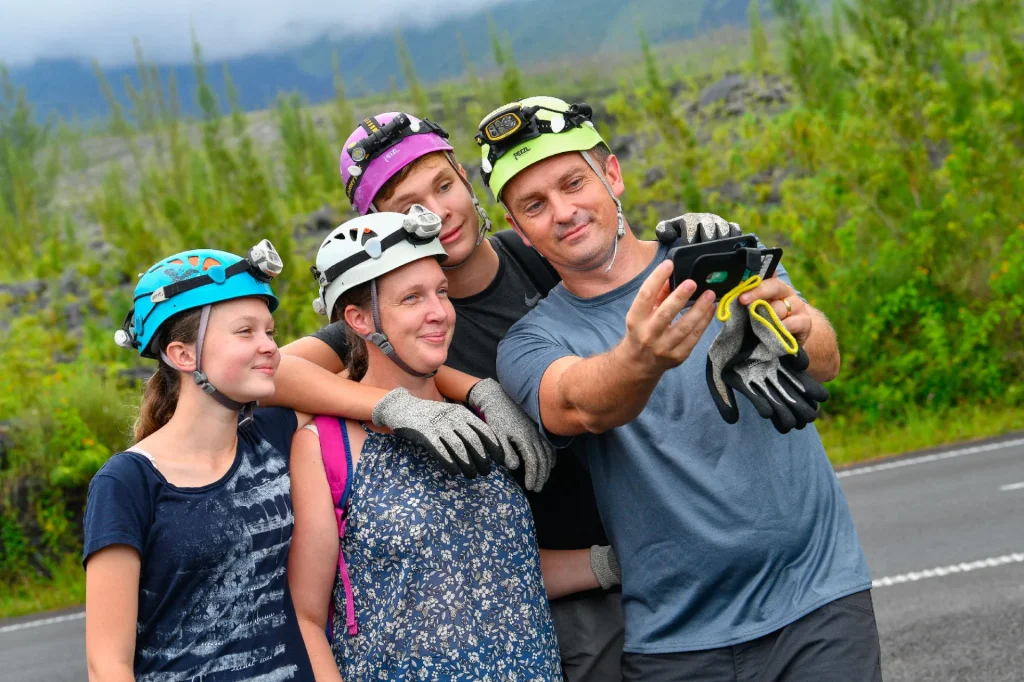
363,169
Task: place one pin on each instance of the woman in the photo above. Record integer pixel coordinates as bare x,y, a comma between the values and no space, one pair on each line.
445,574
187,532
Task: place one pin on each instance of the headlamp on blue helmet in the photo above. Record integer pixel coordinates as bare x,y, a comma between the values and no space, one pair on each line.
193,279
197,280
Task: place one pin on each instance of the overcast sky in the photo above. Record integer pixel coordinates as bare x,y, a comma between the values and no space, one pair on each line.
34,29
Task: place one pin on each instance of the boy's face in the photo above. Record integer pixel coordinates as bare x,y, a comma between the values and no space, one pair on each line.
435,184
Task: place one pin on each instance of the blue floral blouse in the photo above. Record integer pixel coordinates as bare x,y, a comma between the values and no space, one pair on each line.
445,575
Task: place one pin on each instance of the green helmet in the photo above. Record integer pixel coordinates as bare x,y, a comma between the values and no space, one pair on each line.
529,130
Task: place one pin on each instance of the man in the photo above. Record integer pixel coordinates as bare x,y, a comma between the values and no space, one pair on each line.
391,162
739,556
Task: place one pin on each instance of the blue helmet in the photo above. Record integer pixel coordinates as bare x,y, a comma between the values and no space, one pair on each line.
194,279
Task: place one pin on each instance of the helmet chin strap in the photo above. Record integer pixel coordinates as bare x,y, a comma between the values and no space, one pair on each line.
620,230
199,376
380,339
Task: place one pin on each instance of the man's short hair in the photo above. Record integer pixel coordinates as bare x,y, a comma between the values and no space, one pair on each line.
600,153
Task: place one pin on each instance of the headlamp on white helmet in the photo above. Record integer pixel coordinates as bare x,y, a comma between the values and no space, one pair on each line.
367,247
363,249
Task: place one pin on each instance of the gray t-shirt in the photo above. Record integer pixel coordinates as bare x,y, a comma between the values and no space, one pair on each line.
724,532
565,512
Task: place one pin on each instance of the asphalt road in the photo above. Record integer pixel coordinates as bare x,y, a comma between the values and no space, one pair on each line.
944,537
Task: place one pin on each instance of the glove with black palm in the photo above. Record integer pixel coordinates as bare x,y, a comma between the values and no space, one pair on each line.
770,369
455,437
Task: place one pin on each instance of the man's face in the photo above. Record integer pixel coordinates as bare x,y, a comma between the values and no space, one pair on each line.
564,209
435,184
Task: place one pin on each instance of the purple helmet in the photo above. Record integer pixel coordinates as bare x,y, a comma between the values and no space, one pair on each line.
381,146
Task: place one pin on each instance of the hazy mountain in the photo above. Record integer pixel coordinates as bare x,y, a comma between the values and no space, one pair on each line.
539,30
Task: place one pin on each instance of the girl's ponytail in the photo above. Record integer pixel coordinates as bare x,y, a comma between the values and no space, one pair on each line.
161,395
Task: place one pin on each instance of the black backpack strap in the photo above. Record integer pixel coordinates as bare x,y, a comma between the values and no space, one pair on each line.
540,271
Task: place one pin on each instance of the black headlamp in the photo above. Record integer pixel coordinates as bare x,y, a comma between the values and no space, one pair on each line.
512,125
380,138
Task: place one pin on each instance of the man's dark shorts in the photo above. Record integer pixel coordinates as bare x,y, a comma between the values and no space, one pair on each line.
836,643
590,634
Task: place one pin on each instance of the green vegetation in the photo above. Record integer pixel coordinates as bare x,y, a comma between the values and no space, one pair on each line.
879,145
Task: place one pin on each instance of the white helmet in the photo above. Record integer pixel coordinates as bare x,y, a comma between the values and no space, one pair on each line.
369,246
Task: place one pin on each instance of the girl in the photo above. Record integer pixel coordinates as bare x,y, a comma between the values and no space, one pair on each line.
187,532
444,571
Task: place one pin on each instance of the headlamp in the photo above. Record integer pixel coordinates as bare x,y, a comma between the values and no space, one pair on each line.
421,224
380,138
510,126
265,261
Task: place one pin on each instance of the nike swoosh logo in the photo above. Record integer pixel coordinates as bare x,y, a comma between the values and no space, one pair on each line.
532,300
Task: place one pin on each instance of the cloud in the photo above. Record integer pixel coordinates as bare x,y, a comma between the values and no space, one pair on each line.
103,29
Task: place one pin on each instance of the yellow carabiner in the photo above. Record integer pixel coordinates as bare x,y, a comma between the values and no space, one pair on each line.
724,313
786,339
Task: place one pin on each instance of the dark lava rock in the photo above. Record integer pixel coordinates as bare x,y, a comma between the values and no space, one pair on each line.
720,90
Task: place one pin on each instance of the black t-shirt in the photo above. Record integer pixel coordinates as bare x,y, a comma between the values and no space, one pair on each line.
564,512
213,597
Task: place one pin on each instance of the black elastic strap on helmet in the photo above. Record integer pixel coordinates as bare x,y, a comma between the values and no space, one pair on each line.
173,289
380,138
333,272
576,116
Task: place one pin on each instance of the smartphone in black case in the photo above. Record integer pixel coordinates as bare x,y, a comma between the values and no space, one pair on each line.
722,264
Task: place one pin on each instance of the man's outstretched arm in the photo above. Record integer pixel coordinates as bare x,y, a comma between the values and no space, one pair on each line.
595,394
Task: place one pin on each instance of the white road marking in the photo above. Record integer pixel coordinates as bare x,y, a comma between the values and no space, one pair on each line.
1012,486
974,450
41,622
941,571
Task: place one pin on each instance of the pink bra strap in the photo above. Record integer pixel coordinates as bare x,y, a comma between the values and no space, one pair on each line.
337,458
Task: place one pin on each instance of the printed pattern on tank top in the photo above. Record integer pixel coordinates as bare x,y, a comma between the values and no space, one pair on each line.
445,574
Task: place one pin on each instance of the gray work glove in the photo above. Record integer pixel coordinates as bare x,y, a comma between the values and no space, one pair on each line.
519,435
771,370
457,439
726,346
605,565
695,228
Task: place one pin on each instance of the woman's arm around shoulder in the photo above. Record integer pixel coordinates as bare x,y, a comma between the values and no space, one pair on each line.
111,613
313,557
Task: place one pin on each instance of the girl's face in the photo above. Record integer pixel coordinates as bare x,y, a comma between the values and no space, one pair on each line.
415,313
240,355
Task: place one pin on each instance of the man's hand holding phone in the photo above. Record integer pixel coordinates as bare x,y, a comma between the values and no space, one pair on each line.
655,340
791,309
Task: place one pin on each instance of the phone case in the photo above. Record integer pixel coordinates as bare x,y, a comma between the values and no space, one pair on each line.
724,271
684,257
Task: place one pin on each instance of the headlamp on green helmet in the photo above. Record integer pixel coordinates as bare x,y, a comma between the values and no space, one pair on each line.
509,127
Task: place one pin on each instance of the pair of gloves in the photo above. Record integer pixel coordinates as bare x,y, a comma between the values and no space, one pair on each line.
465,444
757,356
753,353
